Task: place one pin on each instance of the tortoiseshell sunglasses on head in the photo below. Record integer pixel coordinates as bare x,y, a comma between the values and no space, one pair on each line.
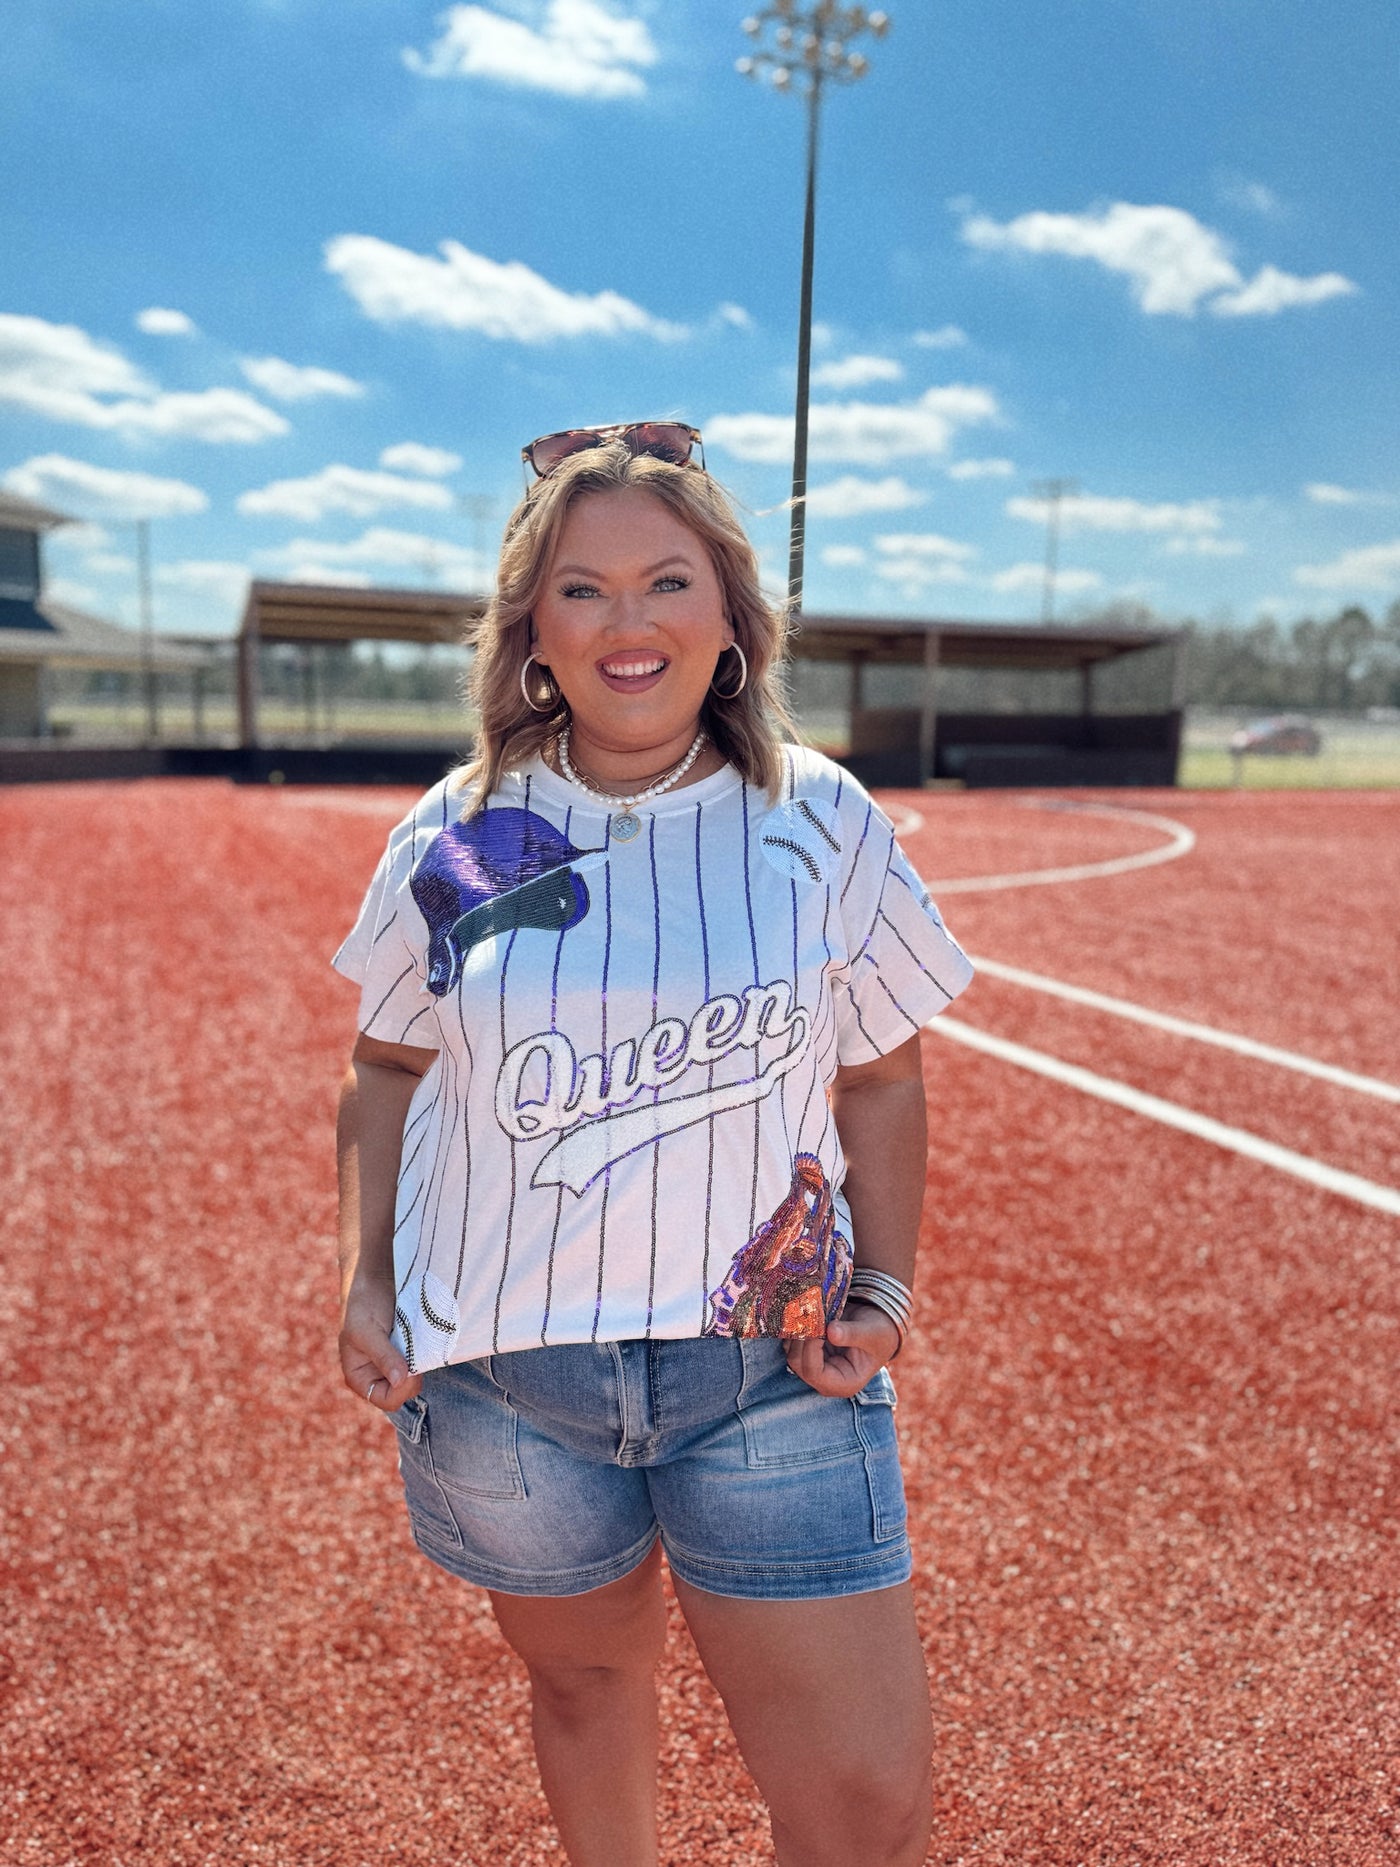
666,440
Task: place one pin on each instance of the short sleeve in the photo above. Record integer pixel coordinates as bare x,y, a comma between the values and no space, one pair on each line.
382,957
905,965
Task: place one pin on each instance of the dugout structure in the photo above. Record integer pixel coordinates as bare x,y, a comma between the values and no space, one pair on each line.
327,615
990,704
901,701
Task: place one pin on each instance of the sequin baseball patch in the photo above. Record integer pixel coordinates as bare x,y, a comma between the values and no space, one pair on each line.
802,839
791,1277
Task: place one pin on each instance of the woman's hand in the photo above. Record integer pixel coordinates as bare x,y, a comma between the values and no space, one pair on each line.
373,1368
855,1346
374,1103
879,1111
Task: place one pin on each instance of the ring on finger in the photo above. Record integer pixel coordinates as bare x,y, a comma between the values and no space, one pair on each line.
369,1391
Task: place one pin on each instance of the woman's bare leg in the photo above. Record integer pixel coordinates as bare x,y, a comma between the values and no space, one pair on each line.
592,1662
829,1702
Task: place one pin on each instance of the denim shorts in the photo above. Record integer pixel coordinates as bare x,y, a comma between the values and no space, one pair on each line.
551,1471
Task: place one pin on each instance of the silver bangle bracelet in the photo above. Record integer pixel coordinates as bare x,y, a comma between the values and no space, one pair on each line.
886,1294
899,1294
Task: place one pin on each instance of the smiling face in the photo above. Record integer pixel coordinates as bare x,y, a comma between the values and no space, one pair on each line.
630,622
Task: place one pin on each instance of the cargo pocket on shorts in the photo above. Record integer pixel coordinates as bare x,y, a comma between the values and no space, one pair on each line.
457,1442
874,1415
786,1422
427,1504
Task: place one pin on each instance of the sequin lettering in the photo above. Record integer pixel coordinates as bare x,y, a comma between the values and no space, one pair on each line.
583,1098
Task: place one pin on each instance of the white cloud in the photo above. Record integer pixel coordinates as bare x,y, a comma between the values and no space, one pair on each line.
1256,197
58,371
734,315
981,470
294,382
388,549
1323,494
54,368
1373,567
414,457
311,570
1271,291
850,497
85,537
383,555
916,574
101,492
342,489
1174,262
919,561
1019,577
1206,547
842,557
1092,512
868,433
199,415
70,590
946,337
464,291
578,49
923,545
214,577
855,372
161,321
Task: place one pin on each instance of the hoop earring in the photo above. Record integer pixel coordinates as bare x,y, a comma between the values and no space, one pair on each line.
734,693
549,705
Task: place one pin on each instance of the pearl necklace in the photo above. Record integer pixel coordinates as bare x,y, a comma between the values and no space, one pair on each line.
626,824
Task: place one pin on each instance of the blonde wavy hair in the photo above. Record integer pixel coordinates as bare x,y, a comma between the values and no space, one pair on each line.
748,729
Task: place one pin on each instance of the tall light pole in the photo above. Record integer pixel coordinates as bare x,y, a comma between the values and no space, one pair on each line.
808,48
149,680
1052,492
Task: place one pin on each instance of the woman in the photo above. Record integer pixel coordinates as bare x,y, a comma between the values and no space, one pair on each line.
632,1150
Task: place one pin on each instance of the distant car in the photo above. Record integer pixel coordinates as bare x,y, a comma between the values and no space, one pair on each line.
1290,733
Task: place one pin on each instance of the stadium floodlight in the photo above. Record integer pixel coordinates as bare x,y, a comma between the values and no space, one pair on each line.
1052,492
808,51
150,681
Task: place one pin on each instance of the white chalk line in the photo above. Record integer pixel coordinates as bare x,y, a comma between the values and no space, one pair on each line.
1173,1115
1180,842
1185,1027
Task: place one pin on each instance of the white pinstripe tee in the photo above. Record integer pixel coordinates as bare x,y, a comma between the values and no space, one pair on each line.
626,1131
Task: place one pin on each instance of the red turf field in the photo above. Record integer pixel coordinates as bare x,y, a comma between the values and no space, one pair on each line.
1150,1415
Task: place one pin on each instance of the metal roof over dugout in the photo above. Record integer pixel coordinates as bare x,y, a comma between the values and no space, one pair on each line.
961,644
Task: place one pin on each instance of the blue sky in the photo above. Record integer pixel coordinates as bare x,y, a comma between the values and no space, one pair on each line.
297,278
